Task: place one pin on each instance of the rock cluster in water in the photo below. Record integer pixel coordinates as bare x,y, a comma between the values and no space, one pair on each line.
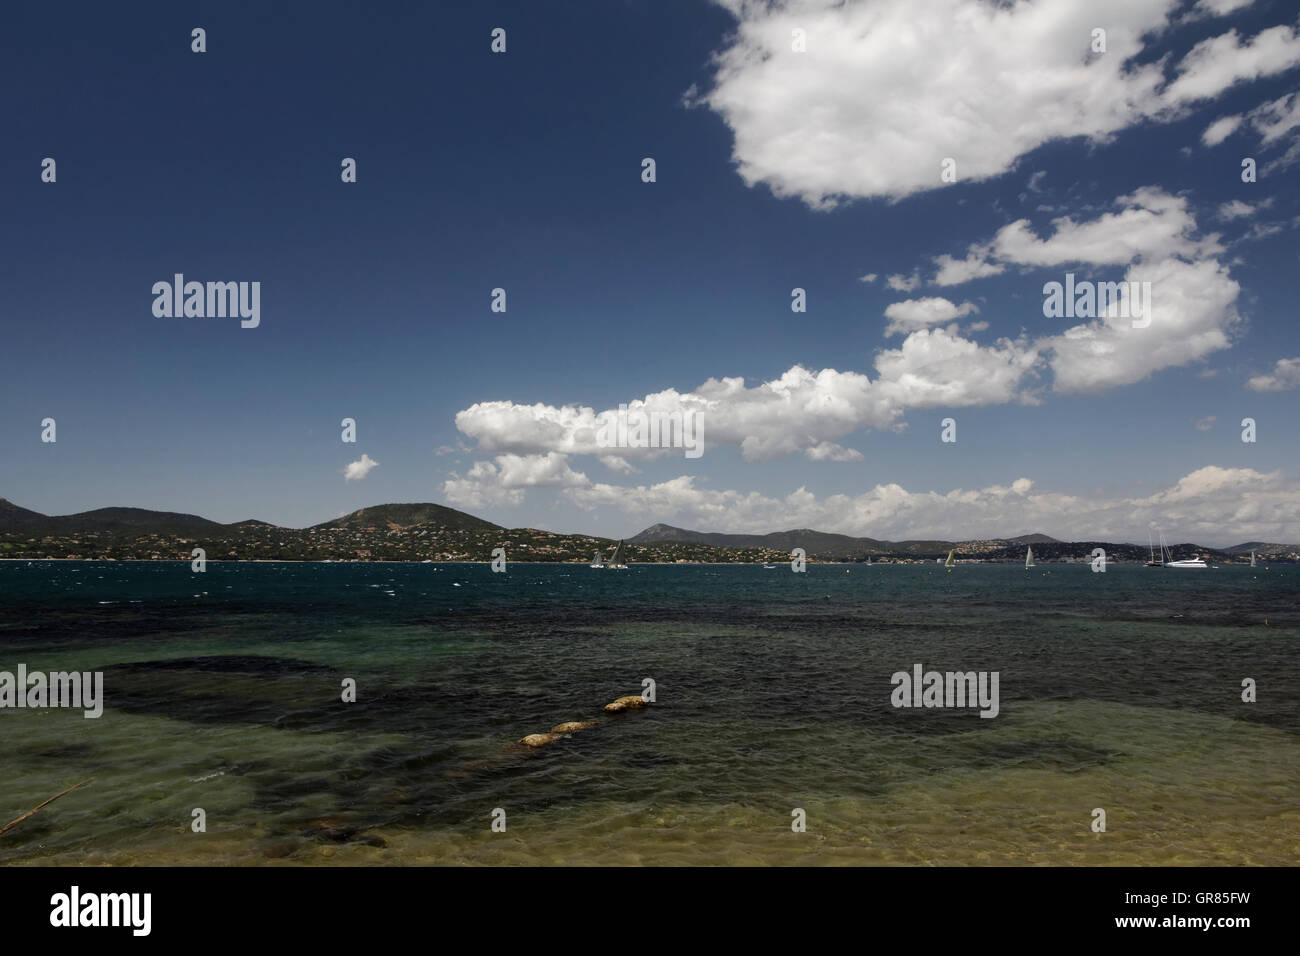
633,702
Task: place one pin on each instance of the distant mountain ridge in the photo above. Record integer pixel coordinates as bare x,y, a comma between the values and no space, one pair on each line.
14,519
139,523
816,542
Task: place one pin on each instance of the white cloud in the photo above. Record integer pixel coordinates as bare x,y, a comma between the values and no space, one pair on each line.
620,465
1284,377
1278,122
1218,63
1236,209
1206,423
1276,119
934,367
902,283
356,470
799,410
1152,224
869,277
1218,8
1191,316
829,451
1220,129
505,481
1213,506
958,271
887,90
912,314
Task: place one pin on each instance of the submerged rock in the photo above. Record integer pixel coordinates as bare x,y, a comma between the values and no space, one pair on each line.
331,828
539,740
626,703
571,726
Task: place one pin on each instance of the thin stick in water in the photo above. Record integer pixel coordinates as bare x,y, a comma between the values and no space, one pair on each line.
41,806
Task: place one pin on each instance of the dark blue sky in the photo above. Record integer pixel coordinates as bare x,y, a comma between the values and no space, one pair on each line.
522,171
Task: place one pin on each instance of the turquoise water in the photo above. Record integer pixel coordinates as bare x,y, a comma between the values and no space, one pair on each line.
1119,691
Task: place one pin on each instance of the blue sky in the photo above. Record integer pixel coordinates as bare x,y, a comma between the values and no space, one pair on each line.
776,169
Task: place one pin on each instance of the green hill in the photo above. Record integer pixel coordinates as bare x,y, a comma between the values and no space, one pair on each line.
408,516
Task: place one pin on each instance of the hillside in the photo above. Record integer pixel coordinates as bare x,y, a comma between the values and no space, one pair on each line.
431,532
408,516
14,518
827,545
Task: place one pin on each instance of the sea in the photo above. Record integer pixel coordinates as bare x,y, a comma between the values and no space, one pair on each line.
370,714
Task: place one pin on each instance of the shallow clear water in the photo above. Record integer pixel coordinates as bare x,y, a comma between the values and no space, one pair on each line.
1119,690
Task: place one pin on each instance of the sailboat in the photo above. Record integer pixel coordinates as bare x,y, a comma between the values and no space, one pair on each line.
1252,557
1151,549
1029,558
618,560
596,562
950,563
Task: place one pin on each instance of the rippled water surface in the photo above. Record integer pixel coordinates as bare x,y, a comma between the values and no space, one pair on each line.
1119,691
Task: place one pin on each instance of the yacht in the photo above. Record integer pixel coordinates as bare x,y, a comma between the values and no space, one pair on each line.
596,562
618,560
1165,555
1029,558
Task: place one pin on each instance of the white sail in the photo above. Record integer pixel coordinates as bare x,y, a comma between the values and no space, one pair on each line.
950,562
1252,557
618,560
1029,558
596,562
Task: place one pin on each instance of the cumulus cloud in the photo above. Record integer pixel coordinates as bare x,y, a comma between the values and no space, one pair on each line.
1191,314
829,451
869,277
1218,63
800,411
504,480
935,367
356,470
958,271
982,83
902,283
912,314
1212,505
796,411
1150,224
1284,377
